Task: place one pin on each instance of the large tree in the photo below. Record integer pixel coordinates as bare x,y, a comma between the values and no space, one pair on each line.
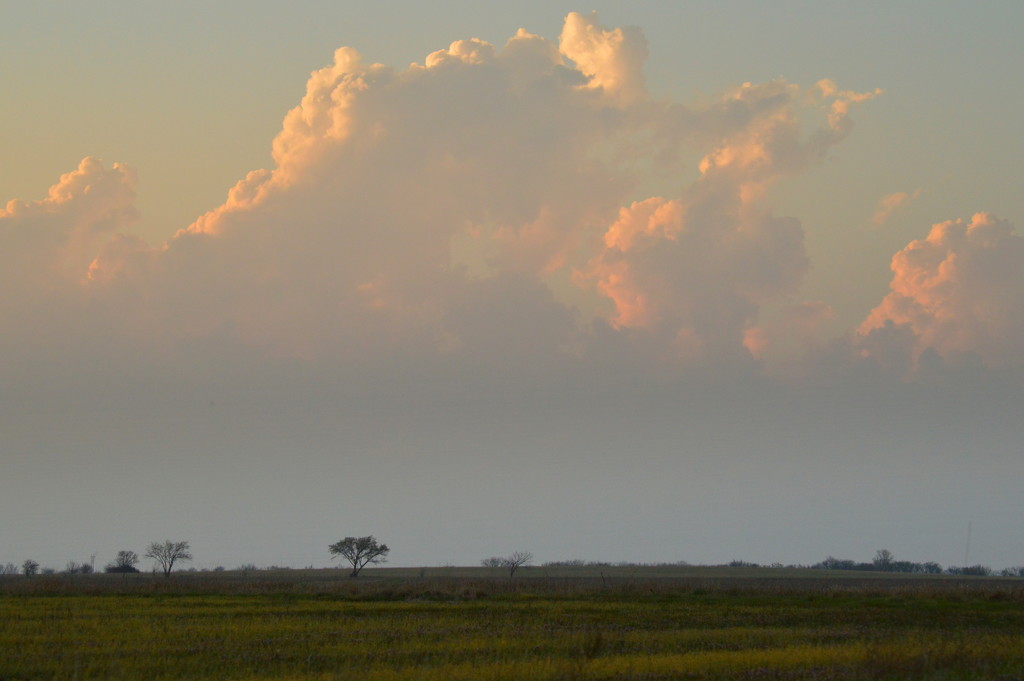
359,552
168,553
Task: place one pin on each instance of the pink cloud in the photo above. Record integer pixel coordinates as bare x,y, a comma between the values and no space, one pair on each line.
697,269
959,290
409,212
54,239
890,203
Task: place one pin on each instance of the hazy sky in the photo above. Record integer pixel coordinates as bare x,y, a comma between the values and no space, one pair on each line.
661,281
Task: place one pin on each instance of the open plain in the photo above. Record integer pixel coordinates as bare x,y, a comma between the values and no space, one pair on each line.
546,623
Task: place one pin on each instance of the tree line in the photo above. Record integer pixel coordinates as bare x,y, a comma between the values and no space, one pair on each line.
885,561
359,552
165,555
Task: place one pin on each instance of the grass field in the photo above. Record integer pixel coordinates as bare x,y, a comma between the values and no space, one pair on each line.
559,623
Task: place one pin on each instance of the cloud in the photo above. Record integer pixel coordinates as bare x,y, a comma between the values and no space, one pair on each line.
396,197
697,269
958,291
841,100
455,284
687,269
797,325
890,203
54,239
612,60
47,311
412,213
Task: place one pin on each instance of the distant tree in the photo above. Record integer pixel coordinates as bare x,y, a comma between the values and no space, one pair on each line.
571,562
516,561
883,560
360,552
493,562
124,562
832,563
9,569
168,553
29,567
970,571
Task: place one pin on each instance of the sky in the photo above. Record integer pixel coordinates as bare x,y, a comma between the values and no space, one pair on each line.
650,282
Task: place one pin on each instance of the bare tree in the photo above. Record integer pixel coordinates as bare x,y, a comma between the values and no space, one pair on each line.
76,568
168,553
125,562
29,567
8,569
359,552
493,562
516,561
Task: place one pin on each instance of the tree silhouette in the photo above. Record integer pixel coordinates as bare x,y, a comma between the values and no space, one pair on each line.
168,553
359,552
125,562
516,561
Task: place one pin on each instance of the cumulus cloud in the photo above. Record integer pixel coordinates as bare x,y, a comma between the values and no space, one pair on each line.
47,310
392,194
53,239
685,269
612,60
460,278
959,291
890,203
415,212
697,269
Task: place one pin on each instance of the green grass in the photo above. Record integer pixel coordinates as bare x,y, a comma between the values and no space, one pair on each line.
306,625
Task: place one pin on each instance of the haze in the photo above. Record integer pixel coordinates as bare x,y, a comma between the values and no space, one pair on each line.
676,282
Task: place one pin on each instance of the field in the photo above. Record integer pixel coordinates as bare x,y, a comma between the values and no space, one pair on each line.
559,623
